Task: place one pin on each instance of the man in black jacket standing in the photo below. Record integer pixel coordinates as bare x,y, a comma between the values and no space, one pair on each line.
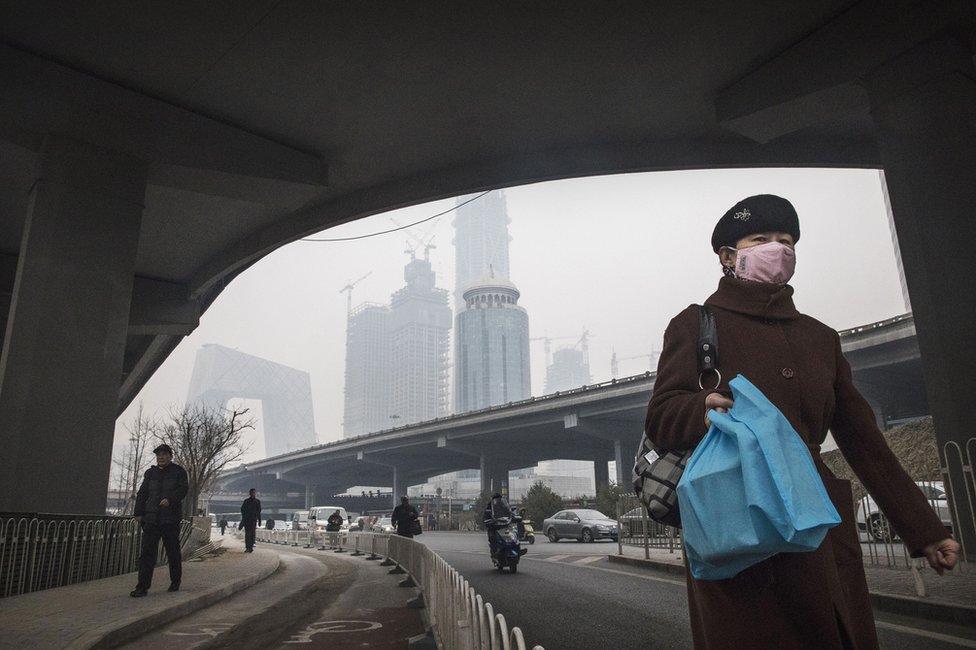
159,511
250,516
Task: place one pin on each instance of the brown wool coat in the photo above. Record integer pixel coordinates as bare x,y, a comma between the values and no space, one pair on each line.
792,600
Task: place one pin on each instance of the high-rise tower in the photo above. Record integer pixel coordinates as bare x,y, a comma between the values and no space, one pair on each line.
492,363
397,356
480,242
367,385
569,369
221,374
420,329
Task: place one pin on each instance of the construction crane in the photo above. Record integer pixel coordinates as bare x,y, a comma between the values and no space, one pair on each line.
548,345
615,369
585,346
426,241
348,291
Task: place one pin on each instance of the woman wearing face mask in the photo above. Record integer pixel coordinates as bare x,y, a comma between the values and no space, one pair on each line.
792,600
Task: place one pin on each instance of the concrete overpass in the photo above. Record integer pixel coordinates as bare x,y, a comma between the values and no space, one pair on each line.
149,153
598,423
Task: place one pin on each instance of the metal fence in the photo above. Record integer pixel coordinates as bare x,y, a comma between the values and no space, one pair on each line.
880,545
44,552
958,472
637,529
459,617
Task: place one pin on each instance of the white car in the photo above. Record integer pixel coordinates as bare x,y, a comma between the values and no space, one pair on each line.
384,525
299,520
871,520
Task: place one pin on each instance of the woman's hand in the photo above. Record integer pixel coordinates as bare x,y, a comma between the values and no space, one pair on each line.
716,401
942,555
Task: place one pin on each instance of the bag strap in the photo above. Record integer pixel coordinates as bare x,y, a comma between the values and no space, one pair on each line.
707,346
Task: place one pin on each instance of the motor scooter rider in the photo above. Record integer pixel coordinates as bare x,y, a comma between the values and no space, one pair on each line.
496,509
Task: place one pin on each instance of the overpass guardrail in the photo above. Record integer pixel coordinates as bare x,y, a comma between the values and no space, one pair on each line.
459,617
46,551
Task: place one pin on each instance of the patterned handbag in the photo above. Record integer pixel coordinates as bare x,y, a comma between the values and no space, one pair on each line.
657,472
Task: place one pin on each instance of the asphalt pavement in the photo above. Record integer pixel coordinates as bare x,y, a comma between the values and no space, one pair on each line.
568,595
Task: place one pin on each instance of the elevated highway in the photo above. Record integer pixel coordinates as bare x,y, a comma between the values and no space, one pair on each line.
599,423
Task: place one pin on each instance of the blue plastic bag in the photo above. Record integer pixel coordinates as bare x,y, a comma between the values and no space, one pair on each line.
750,490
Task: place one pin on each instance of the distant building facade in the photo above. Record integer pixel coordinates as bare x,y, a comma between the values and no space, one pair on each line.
569,369
492,362
367,404
221,374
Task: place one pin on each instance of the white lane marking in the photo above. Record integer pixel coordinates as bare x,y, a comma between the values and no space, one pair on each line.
331,627
680,583
208,631
553,558
589,559
938,636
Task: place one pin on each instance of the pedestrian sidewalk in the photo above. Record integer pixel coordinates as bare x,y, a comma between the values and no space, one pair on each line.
100,613
950,598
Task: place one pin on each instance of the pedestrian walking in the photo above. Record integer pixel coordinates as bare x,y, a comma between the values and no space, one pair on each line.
250,516
159,511
223,525
816,599
403,518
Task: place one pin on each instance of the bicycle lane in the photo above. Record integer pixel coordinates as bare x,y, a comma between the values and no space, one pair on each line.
318,599
371,613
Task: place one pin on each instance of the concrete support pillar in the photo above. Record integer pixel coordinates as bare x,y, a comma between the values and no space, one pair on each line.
61,365
624,463
494,476
399,485
309,495
924,107
601,473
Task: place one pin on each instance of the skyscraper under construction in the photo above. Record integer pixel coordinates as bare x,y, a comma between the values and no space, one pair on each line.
367,385
420,330
397,356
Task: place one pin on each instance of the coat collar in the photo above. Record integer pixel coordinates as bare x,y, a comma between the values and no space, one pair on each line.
758,299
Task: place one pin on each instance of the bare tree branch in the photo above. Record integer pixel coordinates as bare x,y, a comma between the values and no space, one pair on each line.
204,440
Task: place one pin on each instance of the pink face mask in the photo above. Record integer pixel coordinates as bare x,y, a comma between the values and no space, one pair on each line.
772,262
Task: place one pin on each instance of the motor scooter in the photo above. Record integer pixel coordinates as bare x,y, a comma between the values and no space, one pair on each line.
508,551
527,531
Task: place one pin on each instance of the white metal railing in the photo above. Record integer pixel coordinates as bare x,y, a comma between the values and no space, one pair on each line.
959,471
459,617
43,552
879,544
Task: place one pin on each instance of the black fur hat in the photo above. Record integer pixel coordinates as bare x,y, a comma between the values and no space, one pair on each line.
760,213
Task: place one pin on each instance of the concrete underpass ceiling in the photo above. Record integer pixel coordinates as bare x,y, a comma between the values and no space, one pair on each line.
278,119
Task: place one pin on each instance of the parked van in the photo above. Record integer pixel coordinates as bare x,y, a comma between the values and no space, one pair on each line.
318,517
299,520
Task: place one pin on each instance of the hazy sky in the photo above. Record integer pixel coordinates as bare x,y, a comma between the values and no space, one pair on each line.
619,255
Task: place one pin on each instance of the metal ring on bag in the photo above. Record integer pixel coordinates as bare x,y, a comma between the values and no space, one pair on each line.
717,383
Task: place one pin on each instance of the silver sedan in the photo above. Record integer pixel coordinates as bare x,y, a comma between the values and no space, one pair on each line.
582,525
